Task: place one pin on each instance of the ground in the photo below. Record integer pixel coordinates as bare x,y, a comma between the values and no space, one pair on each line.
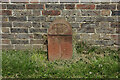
87,62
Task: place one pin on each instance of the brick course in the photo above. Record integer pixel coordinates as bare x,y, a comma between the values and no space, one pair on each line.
25,24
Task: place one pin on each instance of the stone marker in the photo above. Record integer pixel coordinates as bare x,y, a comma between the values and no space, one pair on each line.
59,40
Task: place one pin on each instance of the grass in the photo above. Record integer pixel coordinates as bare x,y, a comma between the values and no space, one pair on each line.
88,62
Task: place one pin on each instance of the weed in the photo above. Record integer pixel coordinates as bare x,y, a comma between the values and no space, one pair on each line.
88,62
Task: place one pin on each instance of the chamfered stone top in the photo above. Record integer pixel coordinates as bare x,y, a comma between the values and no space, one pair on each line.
60,27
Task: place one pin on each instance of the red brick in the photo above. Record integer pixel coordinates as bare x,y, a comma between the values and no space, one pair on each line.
5,41
115,36
70,6
51,12
85,6
6,12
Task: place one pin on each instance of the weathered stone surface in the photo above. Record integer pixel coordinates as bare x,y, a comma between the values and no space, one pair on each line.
34,1
32,30
106,19
70,6
19,41
5,30
69,1
75,25
38,36
105,12
7,47
115,24
54,6
54,48
115,13
23,46
106,6
15,6
71,19
84,37
96,1
22,24
5,19
22,12
90,13
85,19
104,24
34,18
6,24
24,36
86,30
94,25
5,1
48,1
37,12
50,19
60,28
105,30
4,6
17,18
104,36
59,46
118,6
70,13
105,42
19,1
36,41
76,37
37,24
95,36
35,6
8,36
116,38
19,30
45,25
118,30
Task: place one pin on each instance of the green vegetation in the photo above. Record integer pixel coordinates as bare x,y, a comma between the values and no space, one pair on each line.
87,62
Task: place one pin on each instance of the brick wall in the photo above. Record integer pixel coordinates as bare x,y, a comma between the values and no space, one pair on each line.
25,23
